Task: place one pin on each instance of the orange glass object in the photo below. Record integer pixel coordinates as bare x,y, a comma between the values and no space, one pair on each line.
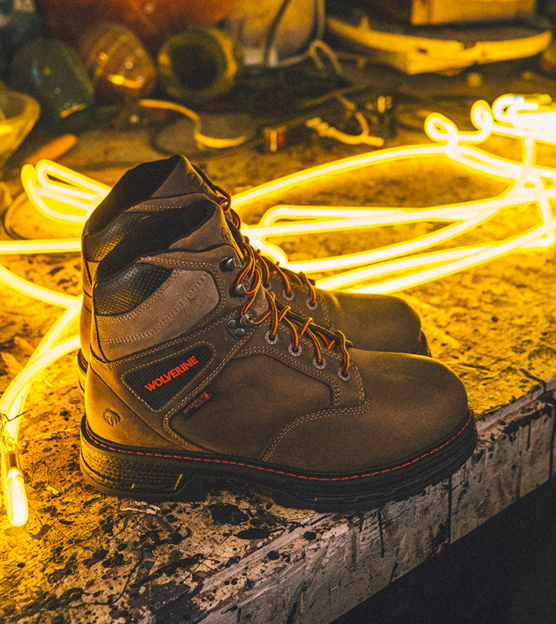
151,20
119,66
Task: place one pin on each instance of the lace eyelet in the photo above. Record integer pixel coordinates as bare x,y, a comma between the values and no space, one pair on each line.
312,306
239,290
271,341
228,264
288,297
234,329
343,377
319,366
246,321
295,353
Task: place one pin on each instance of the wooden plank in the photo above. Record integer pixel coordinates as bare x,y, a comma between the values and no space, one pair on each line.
514,456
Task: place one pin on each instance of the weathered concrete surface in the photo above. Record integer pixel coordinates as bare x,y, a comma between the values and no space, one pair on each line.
237,556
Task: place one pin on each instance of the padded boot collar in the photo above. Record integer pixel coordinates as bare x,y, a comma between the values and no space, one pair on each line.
185,178
154,180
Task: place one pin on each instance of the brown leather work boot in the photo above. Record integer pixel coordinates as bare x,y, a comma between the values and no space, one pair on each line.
146,190
373,322
196,374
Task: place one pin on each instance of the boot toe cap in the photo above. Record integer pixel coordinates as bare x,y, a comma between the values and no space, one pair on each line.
413,407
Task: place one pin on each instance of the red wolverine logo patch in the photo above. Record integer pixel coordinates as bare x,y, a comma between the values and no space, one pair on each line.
172,374
158,383
198,402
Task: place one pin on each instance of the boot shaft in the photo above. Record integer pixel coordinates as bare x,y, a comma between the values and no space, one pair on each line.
161,282
145,190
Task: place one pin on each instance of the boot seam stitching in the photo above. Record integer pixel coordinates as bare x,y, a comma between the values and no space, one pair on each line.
177,308
310,370
168,405
282,357
346,411
165,345
165,206
359,475
126,316
157,260
327,377
184,264
171,412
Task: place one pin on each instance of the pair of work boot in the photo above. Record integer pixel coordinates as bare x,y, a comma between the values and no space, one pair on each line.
204,360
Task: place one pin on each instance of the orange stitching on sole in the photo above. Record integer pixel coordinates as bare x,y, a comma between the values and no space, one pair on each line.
279,472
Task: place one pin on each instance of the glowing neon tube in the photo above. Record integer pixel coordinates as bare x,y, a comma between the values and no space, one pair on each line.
64,195
477,258
15,498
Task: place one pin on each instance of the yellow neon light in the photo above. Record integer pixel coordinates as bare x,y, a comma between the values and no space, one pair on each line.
512,116
13,400
40,246
16,498
64,195
60,193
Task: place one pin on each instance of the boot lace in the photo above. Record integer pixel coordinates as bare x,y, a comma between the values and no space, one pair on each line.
252,274
268,265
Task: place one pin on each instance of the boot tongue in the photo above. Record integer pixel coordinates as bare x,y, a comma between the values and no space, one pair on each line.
185,179
235,232
260,303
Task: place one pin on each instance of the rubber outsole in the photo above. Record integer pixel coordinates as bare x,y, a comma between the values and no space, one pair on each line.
159,474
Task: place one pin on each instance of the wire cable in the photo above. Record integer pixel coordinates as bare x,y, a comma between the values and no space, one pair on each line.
202,139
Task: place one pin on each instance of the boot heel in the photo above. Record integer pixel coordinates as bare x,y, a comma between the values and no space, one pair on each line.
141,477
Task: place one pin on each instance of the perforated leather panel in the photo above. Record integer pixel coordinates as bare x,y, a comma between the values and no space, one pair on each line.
96,247
128,289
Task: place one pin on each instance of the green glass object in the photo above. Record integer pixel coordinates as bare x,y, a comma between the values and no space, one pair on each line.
52,73
198,65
